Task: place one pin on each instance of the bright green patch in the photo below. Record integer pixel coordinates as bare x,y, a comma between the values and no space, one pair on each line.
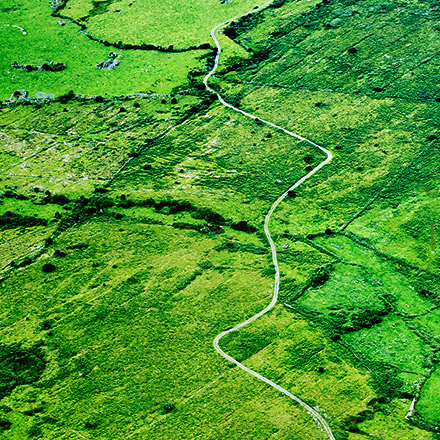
391,342
349,300
27,208
426,406
385,274
46,40
162,23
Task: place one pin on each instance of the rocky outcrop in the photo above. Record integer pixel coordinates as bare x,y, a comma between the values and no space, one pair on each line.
110,63
49,66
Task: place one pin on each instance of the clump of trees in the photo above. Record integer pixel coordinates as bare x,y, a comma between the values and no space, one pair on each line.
243,226
241,25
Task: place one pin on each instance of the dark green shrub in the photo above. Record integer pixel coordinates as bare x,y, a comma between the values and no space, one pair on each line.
19,366
5,425
243,226
46,325
386,381
48,268
168,407
34,431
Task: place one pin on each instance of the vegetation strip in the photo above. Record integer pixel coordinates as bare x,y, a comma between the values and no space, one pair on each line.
217,339
21,96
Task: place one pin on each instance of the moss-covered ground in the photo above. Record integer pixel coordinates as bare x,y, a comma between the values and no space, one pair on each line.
131,227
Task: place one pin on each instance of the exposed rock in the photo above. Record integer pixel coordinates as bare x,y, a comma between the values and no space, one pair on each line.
19,94
335,23
110,63
49,66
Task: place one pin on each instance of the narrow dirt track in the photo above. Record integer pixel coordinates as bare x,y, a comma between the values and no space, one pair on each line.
316,416
16,27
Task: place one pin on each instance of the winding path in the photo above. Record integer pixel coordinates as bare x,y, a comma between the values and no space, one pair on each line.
17,27
309,409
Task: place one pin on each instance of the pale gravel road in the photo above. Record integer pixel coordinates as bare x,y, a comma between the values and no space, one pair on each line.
17,27
316,416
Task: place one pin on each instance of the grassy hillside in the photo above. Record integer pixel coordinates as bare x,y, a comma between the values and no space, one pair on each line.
51,39
132,226
161,23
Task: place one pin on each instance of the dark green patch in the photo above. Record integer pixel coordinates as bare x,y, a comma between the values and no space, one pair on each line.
19,366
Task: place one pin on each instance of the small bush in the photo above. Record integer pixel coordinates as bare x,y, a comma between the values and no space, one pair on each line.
46,325
19,366
5,425
91,424
48,267
34,431
168,407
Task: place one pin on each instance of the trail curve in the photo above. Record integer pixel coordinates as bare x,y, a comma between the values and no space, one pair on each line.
17,27
316,416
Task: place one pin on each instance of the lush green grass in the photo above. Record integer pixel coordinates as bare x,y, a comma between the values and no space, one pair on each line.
162,23
311,50
127,326
27,208
22,241
391,424
228,161
355,301
404,220
364,159
425,407
430,323
293,360
104,292
393,343
390,278
348,300
46,40
127,322
72,147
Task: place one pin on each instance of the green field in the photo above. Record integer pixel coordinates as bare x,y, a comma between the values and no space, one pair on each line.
46,40
161,23
131,221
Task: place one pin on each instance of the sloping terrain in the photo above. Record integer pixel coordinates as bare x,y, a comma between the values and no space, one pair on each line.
132,234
